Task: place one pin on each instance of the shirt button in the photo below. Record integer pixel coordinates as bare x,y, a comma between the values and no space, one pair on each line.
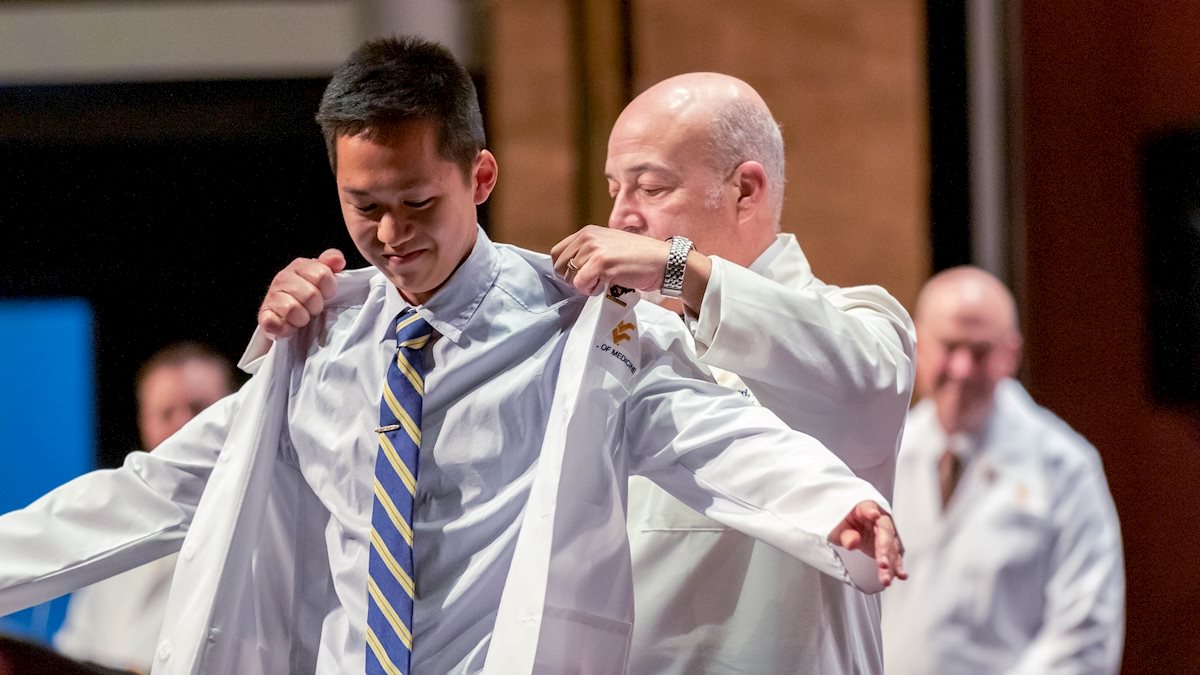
222,458
189,552
164,651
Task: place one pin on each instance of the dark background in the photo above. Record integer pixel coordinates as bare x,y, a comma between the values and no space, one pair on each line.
168,206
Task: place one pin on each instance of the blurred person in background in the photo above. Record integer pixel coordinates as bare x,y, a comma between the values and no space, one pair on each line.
115,623
1012,538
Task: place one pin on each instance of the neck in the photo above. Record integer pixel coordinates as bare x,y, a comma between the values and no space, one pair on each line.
758,238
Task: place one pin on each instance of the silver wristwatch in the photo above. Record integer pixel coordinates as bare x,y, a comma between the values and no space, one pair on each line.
672,285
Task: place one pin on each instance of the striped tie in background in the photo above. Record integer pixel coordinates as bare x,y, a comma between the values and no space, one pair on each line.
391,586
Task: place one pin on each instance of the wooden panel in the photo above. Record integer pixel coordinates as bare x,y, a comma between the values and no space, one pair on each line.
846,82
1092,94
531,110
603,90
557,85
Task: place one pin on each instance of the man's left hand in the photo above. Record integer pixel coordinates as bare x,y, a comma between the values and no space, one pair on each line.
870,528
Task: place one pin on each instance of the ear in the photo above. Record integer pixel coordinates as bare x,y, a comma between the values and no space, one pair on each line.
1014,346
750,179
484,173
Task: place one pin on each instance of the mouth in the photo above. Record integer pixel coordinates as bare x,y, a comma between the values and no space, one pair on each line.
399,259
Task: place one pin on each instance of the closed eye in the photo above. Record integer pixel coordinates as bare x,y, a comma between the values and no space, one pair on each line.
419,205
365,209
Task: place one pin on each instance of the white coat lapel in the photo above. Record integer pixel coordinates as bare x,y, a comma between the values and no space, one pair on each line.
214,563
600,360
975,489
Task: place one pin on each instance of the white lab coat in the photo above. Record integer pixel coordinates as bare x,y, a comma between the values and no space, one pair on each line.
1022,574
116,622
832,362
567,604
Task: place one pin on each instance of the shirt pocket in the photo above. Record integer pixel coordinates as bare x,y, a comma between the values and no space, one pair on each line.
575,641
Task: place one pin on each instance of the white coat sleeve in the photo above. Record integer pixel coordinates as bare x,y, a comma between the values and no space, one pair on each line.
1083,622
106,522
842,356
737,462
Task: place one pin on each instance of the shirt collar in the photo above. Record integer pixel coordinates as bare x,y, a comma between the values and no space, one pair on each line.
783,260
969,444
452,306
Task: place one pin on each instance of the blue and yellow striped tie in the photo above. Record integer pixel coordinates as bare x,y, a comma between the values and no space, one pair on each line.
390,586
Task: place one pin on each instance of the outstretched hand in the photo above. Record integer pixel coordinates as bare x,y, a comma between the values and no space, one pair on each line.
298,293
869,528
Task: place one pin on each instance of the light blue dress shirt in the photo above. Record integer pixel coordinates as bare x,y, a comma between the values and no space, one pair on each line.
489,381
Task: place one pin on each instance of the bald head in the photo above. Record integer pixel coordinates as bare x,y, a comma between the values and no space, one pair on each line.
697,94
967,342
971,288
725,117
709,141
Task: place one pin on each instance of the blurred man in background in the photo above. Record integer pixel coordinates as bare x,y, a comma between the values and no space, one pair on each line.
115,623
1012,538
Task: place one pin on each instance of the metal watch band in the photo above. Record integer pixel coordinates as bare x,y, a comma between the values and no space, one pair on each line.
672,285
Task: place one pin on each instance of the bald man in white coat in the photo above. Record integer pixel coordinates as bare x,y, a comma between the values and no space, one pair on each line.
698,159
1013,541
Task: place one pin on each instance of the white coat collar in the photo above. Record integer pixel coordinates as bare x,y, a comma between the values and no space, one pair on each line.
784,262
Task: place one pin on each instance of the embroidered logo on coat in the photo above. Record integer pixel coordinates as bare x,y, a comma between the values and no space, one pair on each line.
615,292
621,332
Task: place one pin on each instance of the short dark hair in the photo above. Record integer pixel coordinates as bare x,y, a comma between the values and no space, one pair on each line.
178,353
399,79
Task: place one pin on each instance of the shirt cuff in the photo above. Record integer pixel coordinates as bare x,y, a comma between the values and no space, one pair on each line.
704,327
259,345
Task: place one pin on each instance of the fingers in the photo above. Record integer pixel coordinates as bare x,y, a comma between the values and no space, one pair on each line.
588,279
571,264
851,533
333,259
298,293
889,551
319,274
869,528
274,325
595,257
282,313
882,542
562,252
850,540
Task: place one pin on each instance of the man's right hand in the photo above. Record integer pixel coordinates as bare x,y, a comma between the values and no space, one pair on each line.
870,528
298,293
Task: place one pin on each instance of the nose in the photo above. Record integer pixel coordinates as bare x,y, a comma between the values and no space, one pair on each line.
625,216
960,364
392,231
